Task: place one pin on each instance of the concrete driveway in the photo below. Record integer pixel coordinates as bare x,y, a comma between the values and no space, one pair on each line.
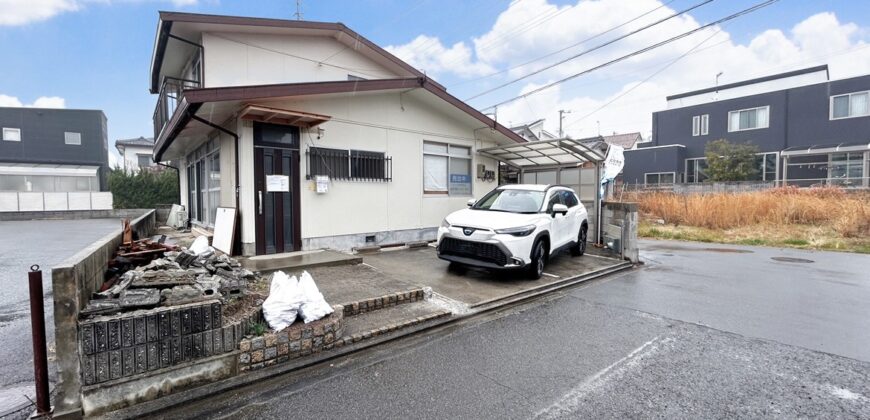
812,299
22,244
421,267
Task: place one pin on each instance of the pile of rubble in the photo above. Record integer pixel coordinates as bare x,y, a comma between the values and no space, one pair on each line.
177,277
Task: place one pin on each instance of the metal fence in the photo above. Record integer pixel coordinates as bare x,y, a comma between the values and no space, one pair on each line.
703,187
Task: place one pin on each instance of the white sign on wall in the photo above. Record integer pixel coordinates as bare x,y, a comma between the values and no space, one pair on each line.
321,184
277,183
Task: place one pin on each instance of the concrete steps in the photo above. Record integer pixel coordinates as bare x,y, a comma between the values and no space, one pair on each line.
382,322
297,261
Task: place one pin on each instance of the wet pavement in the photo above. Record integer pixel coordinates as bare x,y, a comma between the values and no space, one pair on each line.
699,332
22,244
761,292
422,267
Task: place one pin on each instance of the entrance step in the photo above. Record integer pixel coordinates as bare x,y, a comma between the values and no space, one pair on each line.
385,321
297,261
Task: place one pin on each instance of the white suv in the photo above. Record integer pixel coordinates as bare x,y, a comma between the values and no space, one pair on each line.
515,226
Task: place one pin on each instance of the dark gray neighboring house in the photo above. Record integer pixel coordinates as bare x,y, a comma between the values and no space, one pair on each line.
53,150
810,130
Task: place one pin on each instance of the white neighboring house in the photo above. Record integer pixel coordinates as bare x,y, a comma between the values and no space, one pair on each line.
317,136
534,131
136,153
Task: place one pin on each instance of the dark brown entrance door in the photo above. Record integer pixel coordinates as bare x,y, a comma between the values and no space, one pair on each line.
276,178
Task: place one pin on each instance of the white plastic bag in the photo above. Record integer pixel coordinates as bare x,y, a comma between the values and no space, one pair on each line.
314,306
199,245
281,307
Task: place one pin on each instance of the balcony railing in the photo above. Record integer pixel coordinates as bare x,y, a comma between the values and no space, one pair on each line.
170,96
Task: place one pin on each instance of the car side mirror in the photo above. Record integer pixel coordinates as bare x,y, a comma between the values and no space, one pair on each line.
559,208
471,202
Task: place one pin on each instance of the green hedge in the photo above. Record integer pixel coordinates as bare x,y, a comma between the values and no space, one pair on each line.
143,189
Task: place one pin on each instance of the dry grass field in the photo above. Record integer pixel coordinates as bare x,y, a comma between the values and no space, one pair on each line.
814,218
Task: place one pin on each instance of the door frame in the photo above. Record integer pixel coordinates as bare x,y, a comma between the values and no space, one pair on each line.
295,187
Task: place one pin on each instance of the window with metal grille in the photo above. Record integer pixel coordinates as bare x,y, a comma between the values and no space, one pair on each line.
342,164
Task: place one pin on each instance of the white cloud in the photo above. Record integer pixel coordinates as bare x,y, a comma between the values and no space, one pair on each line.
10,101
532,28
40,102
430,55
22,12
48,102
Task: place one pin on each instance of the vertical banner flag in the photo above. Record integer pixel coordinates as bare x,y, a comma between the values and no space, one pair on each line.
613,164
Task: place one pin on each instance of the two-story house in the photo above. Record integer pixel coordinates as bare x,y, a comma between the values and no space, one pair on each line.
317,136
136,153
53,159
809,130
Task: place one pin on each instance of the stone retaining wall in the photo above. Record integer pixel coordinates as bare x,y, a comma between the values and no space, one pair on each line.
292,342
386,301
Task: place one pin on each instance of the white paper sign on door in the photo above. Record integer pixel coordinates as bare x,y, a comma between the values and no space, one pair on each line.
277,183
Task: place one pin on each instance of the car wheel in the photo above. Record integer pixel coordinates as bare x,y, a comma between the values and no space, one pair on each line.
536,267
580,247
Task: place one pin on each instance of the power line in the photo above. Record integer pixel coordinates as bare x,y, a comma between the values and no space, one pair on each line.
565,48
595,48
638,52
654,74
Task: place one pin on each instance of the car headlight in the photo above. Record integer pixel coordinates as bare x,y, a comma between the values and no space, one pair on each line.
445,223
517,231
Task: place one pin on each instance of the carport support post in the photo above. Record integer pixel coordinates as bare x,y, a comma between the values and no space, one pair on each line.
598,203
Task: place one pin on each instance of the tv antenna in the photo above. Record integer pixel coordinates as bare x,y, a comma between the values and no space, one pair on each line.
298,13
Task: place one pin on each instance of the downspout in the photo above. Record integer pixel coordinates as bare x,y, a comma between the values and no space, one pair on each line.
236,243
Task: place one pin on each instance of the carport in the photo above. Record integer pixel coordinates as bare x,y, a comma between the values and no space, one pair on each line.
574,163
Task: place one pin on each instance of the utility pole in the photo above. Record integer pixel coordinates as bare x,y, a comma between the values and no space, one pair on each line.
716,97
298,13
561,117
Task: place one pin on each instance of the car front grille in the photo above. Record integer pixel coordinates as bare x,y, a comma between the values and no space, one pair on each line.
478,250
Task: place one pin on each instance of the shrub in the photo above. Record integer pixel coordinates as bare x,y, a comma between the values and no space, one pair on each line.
144,189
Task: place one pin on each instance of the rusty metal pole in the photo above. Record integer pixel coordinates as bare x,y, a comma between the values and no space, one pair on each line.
37,325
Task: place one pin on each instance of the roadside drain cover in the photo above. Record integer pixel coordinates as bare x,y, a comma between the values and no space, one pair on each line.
792,260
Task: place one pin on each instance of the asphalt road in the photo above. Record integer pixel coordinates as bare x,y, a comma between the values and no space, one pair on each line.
697,333
22,244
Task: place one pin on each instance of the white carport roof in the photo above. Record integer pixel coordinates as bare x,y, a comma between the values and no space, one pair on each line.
549,153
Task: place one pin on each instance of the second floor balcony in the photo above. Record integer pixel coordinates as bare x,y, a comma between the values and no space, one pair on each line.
171,93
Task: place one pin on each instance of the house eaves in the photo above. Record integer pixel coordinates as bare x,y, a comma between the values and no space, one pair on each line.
167,19
193,99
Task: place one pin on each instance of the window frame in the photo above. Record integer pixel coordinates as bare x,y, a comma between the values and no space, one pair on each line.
673,174
469,157
147,156
705,124
849,96
66,138
755,108
11,130
696,126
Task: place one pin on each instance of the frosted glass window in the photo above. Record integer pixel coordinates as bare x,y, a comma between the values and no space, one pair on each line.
11,134
72,138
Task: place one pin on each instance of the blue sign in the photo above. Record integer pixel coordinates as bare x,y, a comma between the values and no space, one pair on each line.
460,179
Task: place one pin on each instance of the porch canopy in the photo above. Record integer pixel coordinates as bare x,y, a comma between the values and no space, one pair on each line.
564,152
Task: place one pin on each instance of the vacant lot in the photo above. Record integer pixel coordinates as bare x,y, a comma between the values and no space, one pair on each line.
815,218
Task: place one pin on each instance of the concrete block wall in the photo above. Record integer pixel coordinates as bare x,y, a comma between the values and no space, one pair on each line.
112,347
622,217
73,282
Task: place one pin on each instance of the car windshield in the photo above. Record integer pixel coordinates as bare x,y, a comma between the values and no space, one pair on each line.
514,201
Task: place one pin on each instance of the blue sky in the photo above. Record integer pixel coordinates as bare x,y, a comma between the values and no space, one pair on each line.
95,53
